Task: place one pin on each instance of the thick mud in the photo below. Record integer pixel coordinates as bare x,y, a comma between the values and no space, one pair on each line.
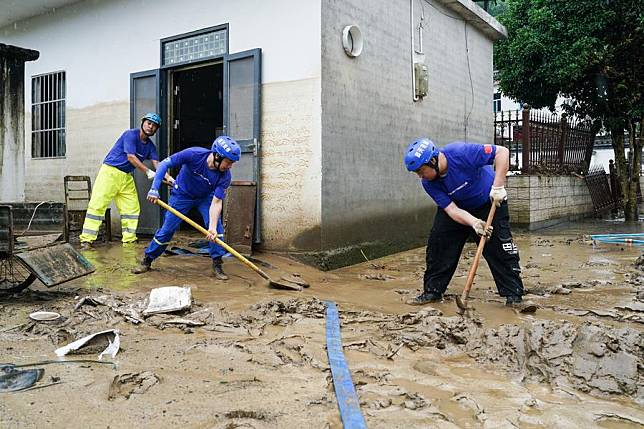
248,356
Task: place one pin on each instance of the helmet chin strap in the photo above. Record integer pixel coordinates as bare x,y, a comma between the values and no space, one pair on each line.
216,160
433,163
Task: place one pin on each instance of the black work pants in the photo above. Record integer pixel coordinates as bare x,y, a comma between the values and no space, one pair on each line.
446,242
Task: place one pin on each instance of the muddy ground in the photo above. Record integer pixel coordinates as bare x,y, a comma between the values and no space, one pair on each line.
245,356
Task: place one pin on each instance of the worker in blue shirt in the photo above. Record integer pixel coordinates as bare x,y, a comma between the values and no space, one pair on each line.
115,182
461,180
201,183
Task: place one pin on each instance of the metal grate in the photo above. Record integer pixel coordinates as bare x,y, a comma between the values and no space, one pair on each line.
195,48
599,189
48,115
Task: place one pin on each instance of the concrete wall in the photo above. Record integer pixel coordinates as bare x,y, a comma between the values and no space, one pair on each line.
99,43
541,201
369,200
12,117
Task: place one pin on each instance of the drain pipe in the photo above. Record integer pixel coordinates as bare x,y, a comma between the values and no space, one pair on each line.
413,50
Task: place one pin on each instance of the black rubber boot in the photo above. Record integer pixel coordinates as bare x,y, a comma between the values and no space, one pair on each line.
217,268
512,300
143,267
426,298
519,305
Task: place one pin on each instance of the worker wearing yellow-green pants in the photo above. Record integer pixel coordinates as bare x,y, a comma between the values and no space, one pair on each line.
115,181
112,184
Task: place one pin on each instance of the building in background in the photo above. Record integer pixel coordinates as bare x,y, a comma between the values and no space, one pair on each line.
323,96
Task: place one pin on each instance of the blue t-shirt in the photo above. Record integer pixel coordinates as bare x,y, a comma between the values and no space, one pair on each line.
469,176
130,143
195,179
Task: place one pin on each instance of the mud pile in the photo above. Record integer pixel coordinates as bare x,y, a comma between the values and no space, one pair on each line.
592,358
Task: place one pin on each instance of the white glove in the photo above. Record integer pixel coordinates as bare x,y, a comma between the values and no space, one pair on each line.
150,173
479,227
498,195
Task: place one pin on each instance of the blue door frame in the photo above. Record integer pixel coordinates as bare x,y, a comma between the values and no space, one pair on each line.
150,216
250,143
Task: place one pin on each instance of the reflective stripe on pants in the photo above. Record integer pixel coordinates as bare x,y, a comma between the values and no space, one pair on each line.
171,223
112,184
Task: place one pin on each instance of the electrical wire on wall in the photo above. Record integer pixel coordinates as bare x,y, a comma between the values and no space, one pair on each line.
466,114
466,120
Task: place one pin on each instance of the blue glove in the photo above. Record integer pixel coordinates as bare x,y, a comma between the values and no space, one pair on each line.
153,193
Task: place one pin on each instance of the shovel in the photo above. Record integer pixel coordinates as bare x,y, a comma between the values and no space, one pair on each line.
461,301
285,284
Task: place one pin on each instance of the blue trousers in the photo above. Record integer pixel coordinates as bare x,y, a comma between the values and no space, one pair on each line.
183,204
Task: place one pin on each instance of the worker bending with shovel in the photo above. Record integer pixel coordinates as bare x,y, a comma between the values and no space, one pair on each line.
201,183
460,179
115,182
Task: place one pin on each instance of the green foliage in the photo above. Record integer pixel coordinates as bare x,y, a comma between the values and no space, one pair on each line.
493,7
591,51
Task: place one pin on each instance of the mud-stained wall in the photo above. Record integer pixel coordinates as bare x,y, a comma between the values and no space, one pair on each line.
291,165
369,200
12,169
12,119
541,201
90,133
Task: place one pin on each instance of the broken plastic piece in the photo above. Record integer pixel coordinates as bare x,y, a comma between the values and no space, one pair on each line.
111,350
168,299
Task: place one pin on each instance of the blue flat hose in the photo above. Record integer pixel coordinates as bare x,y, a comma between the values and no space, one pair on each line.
628,239
345,392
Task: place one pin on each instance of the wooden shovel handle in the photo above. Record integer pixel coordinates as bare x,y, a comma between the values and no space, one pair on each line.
204,231
477,256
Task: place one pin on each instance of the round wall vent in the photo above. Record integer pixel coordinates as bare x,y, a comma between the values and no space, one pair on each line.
352,40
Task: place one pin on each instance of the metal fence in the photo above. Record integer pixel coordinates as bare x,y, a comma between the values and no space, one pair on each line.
600,191
544,143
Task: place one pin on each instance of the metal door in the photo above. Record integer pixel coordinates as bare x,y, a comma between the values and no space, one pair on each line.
144,97
242,84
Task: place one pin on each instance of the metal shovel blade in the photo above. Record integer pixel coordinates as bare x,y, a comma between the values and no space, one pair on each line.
284,284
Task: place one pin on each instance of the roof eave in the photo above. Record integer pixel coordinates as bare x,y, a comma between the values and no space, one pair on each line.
478,17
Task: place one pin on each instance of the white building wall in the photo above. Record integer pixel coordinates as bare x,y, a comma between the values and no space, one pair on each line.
369,116
99,43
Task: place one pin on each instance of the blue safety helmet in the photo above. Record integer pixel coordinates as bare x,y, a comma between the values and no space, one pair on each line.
420,152
152,117
226,147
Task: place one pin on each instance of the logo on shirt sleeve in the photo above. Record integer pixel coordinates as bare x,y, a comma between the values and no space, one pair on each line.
487,148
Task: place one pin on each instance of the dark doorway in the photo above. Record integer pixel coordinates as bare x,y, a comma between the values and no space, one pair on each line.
197,111
197,106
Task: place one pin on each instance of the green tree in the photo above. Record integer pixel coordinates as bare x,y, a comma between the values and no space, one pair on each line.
493,7
590,51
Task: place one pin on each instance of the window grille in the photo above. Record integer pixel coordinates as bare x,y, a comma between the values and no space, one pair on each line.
48,115
194,48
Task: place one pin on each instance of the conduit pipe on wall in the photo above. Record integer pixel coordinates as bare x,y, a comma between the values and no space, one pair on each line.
413,47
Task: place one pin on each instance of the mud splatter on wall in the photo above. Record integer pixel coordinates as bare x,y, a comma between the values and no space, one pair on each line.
12,119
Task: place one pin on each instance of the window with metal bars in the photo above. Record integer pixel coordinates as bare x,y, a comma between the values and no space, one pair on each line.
48,115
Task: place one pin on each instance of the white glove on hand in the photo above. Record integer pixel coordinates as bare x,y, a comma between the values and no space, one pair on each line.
498,195
150,173
479,227
153,195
